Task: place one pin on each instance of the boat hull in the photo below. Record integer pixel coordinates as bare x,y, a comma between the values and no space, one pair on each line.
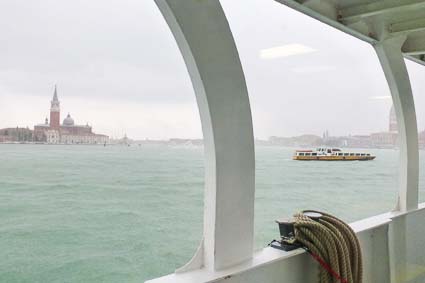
334,158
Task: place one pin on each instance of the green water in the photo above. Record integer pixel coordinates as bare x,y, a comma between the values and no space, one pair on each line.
127,214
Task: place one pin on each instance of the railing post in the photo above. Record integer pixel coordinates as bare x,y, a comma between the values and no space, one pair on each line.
207,45
394,66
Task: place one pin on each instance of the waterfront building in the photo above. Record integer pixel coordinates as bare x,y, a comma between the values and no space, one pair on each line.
303,140
16,135
384,139
67,132
387,139
52,136
357,141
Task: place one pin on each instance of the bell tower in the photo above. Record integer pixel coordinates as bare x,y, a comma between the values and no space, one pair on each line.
55,111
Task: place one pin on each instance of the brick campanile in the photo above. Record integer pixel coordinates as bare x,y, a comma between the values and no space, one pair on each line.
55,112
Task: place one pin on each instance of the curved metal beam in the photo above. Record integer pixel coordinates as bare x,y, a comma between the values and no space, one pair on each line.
392,62
206,43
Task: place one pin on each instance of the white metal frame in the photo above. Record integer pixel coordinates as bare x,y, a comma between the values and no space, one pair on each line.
206,42
394,66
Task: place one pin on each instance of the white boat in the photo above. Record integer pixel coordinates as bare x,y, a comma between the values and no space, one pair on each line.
331,154
393,243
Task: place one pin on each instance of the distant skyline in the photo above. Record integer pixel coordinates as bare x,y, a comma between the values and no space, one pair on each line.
105,118
118,68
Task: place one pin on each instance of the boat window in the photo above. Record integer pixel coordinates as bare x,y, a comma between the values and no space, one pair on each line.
96,213
339,154
302,154
363,154
346,154
314,154
357,154
304,72
307,154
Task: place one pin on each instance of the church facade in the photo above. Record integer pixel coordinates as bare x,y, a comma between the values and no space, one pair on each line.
68,132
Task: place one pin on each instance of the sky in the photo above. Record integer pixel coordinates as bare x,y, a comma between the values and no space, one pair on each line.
118,68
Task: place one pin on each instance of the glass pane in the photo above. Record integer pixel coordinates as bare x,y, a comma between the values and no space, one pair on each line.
310,87
124,210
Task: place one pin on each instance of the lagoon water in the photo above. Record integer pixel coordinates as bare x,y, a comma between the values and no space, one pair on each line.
127,214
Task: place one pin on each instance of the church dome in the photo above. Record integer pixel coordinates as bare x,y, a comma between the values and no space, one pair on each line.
68,121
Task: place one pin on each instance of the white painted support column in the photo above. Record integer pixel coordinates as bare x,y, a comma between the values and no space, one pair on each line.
206,42
392,61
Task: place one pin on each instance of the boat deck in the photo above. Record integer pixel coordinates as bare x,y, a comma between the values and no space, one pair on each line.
334,158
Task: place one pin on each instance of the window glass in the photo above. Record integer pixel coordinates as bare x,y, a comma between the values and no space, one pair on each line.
80,207
296,80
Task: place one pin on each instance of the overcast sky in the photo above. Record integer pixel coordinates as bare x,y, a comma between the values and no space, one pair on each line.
118,68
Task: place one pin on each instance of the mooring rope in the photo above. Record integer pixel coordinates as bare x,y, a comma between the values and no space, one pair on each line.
333,244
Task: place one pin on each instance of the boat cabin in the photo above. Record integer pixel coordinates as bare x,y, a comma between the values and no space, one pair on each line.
393,243
323,151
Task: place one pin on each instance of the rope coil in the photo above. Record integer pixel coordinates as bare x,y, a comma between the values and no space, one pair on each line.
332,243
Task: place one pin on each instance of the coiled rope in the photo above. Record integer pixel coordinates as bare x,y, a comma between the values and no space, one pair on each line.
332,243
